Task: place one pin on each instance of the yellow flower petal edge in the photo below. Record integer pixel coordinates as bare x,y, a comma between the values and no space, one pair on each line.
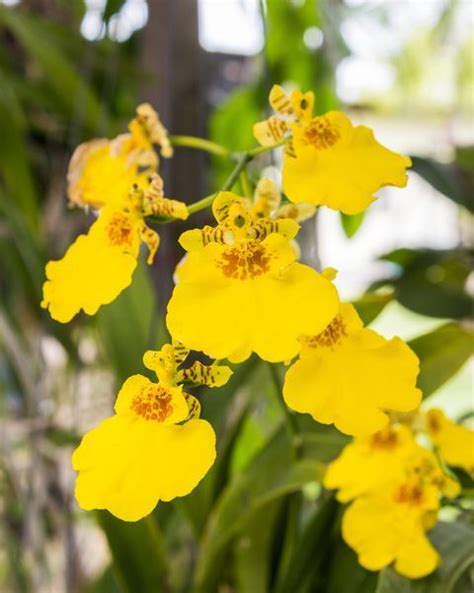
329,161
101,171
387,522
370,461
98,266
239,290
350,376
455,442
383,528
155,447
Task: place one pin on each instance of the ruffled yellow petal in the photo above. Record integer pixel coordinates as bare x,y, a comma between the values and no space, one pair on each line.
89,275
454,441
127,464
417,558
339,166
97,176
351,376
381,531
369,462
228,306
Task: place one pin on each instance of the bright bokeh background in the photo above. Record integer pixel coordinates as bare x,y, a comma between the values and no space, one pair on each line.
75,69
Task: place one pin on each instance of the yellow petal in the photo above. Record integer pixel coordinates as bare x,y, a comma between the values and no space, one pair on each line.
417,558
154,202
342,170
381,531
201,374
126,465
153,130
280,100
353,384
369,528
91,273
162,362
229,314
454,441
303,104
270,131
370,462
97,177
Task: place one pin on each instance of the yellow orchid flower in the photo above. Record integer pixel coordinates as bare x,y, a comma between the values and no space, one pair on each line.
101,171
239,289
351,376
98,266
454,441
155,447
388,523
370,461
328,161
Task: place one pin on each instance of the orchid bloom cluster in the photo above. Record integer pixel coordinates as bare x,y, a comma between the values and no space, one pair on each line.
240,289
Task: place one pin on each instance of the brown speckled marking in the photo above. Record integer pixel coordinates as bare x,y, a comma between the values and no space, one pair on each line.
119,230
330,336
385,439
248,260
153,403
409,494
321,133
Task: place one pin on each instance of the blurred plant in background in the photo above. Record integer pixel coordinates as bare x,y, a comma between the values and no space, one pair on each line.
260,521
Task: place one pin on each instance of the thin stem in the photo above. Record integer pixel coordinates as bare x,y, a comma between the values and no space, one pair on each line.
245,184
243,159
200,144
229,183
291,424
261,149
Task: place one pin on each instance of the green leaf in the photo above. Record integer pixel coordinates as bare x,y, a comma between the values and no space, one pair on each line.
308,555
346,575
254,549
351,223
455,544
59,74
372,304
129,326
106,583
447,179
431,282
15,166
137,553
442,353
271,474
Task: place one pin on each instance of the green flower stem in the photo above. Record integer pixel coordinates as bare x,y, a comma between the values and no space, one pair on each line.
200,144
291,423
261,149
245,184
207,201
243,159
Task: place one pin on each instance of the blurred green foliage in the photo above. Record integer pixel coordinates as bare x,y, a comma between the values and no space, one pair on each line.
259,522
